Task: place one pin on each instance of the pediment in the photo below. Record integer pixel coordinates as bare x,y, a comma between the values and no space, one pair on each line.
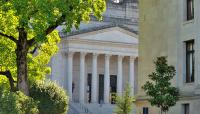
114,34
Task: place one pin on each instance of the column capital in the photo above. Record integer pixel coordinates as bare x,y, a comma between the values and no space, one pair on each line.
132,58
120,56
95,54
83,54
107,56
63,53
70,53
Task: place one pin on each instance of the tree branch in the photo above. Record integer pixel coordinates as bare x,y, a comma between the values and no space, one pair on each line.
34,50
9,37
10,78
49,29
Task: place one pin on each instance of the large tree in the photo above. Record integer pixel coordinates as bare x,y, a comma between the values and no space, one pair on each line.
159,90
26,24
37,62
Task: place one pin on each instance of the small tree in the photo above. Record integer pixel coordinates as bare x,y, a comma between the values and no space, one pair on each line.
124,102
159,90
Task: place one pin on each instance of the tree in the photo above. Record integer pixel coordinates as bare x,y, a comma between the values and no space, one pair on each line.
124,102
37,62
160,91
27,24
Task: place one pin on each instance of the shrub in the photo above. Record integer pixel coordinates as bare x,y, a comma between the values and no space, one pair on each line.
124,103
52,98
17,103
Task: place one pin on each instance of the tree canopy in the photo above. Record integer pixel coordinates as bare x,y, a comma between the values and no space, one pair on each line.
29,25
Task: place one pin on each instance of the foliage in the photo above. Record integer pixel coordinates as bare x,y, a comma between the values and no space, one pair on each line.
28,24
17,103
124,102
52,99
37,63
37,15
160,91
4,85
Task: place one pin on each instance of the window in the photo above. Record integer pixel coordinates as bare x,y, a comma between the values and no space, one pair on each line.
190,9
190,61
186,109
145,110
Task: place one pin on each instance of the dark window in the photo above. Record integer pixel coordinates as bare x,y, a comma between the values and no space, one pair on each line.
113,88
186,109
145,110
101,88
190,9
190,61
89,89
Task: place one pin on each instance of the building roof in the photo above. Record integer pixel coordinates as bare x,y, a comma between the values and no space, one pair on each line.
95,28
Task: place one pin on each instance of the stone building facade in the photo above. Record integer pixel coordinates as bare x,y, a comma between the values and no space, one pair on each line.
97,61
171,28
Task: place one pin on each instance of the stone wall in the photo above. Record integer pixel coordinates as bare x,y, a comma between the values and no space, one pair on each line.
163,30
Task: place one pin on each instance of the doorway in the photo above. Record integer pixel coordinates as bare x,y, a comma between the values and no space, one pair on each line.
101,88
89,87
113,88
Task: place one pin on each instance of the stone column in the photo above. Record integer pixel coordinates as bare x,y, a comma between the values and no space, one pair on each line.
107,79
119,75
82,78
131,74
69,73
94,78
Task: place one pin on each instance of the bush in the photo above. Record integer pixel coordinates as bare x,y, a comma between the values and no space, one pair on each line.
17,103
52,98
124,103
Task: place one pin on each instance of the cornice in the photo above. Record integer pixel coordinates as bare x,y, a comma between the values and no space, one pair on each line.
64,35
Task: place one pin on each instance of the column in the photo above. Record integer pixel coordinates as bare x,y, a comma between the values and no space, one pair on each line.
131,74
94,78
107,79
119,75
69,73
82,78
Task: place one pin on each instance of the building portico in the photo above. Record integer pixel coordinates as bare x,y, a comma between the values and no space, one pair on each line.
97,66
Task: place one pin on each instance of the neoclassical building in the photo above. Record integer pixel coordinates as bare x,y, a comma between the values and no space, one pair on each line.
99,60
92,67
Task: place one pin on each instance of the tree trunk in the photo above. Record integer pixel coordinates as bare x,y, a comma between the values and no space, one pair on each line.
21,53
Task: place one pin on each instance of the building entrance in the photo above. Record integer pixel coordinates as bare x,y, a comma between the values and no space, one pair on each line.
89,87
113,88
101,88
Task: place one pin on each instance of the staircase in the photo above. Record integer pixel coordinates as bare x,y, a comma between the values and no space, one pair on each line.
78,108
101,109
